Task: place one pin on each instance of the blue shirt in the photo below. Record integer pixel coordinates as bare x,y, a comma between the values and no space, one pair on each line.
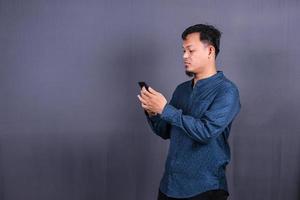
197,121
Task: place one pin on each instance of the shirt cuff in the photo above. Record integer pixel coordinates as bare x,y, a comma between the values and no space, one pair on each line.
153,118
169,112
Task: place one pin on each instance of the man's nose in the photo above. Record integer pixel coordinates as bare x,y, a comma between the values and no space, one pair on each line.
185,55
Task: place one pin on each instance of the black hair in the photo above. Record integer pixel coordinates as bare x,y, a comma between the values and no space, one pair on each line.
208,34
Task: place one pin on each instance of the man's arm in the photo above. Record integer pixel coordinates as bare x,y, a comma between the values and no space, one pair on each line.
213,122
159,126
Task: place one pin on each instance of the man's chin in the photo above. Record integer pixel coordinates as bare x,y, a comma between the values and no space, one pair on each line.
189,74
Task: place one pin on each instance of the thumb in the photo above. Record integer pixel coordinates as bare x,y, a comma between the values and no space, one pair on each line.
152,90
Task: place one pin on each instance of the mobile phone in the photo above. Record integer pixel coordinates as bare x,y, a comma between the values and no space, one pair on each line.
143,84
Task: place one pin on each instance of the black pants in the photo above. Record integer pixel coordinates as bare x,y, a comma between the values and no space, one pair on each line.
208,195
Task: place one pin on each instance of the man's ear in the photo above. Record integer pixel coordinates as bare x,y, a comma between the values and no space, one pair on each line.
211,50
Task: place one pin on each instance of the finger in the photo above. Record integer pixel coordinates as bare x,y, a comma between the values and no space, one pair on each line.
141,99
152,90
145,106
145,92
144,88
144,96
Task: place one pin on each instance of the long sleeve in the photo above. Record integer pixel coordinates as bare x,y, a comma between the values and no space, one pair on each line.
219,115
159,126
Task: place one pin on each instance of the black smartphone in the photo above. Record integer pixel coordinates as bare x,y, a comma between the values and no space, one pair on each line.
142,84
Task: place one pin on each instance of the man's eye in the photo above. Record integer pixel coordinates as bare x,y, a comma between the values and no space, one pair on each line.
189,51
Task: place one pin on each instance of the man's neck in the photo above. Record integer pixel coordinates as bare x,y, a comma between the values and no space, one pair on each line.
204,74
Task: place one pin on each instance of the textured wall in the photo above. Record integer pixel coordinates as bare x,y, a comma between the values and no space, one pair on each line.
71,126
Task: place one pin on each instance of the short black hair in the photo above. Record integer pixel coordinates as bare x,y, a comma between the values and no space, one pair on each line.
208,33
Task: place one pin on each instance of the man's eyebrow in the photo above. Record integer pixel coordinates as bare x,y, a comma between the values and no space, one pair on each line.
187,46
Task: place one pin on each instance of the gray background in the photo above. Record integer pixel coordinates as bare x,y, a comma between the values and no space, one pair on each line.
71,125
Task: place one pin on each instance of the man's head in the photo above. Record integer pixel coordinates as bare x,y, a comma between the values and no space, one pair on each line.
201,45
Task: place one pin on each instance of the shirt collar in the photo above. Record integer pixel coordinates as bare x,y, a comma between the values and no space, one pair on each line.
209,79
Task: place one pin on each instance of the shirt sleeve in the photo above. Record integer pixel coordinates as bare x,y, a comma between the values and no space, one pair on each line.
159,126
219,115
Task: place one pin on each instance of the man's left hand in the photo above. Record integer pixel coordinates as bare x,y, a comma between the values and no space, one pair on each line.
152,100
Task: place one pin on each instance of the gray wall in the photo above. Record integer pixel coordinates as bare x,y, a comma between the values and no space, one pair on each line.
71,126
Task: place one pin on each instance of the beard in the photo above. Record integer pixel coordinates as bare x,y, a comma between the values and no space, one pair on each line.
189,74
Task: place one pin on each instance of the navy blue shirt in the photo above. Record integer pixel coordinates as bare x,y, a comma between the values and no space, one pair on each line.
197,121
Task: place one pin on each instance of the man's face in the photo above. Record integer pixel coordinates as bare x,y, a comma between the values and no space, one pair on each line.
195,54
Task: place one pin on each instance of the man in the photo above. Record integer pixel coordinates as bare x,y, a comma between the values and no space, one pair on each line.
197,121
